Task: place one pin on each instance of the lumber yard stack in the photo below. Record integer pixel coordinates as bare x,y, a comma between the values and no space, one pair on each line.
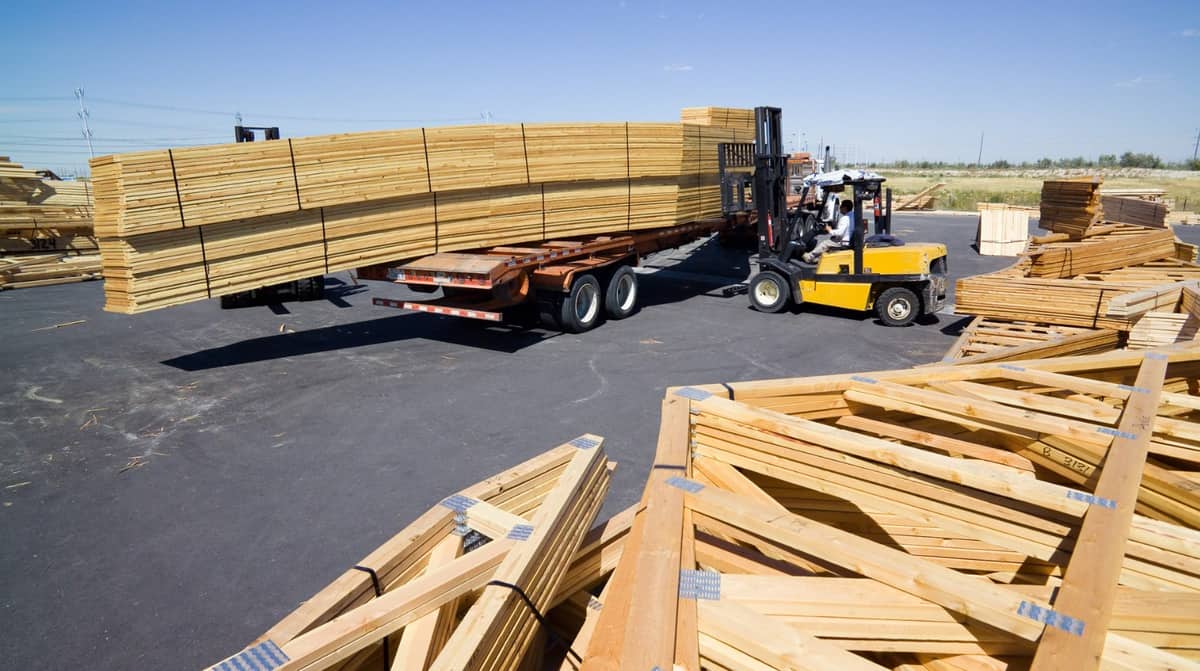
956,517
45,229
1081,289
186,224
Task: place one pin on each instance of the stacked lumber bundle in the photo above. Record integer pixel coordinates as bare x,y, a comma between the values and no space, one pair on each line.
1119,245
995,340
182,225
39,270
952,517
1138,211
922,200
466,584
725,117
37,213
1071,206
43,220
1003,229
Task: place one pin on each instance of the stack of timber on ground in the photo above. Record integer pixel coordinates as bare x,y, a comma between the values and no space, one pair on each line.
1134,211
941,518
449,591
922,200
1003,229
183,225
1082,288
45,229
1070,206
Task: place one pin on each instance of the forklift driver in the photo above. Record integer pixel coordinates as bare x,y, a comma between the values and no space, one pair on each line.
839,238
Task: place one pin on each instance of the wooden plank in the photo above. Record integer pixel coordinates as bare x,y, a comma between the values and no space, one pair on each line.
1088,590
423,639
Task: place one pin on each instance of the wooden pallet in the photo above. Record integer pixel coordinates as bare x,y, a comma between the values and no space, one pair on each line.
995,340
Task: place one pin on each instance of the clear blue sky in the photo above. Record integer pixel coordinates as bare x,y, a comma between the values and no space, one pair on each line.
916,80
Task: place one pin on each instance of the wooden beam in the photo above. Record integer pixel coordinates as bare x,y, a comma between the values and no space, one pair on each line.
1089,587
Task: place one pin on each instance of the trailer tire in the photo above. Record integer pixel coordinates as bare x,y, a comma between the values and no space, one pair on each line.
621,296
768,292
581,307
897,306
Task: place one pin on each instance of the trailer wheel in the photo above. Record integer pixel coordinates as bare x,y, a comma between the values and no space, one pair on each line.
581,308
768,291
621,297
897,306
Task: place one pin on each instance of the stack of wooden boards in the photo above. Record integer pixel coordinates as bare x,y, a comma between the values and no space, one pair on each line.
1003,229
1080,289
45,229
726,117
922,200
182,225
984,516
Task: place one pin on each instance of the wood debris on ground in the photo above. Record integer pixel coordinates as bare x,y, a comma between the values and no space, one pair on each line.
922,200
45,229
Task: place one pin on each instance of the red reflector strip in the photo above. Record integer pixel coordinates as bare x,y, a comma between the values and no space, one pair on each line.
453,312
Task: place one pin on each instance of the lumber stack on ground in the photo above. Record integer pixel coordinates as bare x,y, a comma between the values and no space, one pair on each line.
1070,206
187,224
922,200
43,221
1120,246
923,519
1003,229
1137,211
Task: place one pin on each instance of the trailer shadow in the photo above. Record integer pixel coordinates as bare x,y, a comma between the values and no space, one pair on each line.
417,326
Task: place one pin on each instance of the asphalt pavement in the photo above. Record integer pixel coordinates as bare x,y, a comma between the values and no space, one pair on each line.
172,483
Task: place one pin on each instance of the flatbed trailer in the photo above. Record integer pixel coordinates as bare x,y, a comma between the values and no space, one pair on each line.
569,283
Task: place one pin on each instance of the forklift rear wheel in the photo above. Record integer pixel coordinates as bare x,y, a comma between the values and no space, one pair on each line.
621,297
768,292
581,309
897,306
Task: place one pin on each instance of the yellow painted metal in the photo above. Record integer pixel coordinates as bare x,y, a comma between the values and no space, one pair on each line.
911,259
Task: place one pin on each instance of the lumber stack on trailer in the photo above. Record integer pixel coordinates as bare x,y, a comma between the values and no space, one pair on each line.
921,519
1149,213
1071,206
725,117
183,225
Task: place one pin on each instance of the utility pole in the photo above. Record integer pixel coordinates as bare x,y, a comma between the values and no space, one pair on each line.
979,158
83,116
1196,147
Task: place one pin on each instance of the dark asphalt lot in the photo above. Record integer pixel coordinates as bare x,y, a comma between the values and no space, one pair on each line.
172,483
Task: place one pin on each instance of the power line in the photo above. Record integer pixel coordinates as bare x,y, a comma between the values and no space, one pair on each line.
57,138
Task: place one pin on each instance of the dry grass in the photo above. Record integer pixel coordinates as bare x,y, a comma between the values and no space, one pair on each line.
964,190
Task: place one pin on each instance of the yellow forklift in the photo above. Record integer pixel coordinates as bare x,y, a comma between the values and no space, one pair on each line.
899,281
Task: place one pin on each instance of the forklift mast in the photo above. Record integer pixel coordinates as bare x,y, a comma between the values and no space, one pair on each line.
770,179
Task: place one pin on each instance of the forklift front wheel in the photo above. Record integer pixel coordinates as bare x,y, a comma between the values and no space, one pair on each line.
768,292
581,309
897,306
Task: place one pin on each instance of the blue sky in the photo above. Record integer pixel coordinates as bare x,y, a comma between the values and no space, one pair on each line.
917,80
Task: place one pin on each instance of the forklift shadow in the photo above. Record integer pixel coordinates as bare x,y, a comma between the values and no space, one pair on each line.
854,315
703,270
396,329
